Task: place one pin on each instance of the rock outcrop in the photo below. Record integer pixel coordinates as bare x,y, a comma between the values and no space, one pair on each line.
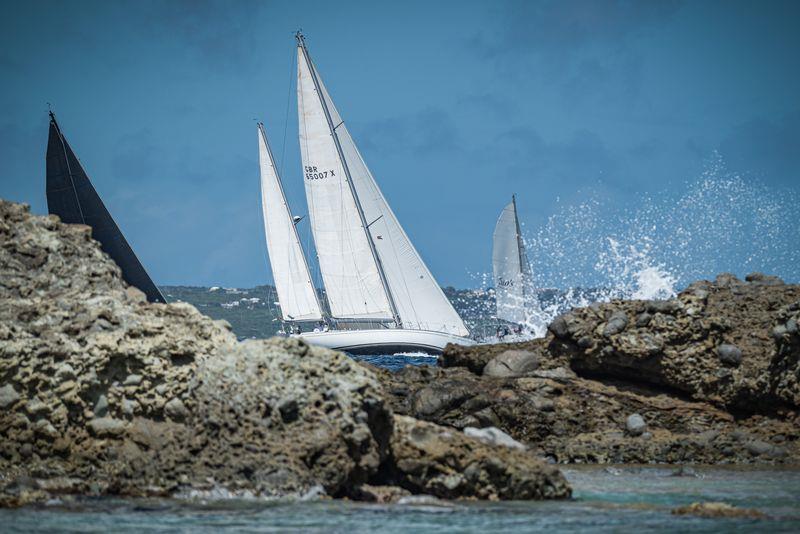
711,376
104,393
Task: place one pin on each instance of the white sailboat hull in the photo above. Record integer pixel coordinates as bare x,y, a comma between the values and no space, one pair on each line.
384,341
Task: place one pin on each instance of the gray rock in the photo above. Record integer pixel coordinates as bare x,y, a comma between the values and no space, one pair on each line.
635,425
101,406
106,427
669,307
729,354
132,380
643,319
559,327
493,436
8,396
616,323
175,409
512,363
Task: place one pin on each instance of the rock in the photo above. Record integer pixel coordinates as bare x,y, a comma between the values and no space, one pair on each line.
132,380
511,363
101,406
8,396
616,323
107,427
761,278
493,436
176,410
559,327
643,319
717,509
380,494
434,460
210,415
635,425
729,354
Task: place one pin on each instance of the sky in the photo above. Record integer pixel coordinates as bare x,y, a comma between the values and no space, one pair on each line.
454,106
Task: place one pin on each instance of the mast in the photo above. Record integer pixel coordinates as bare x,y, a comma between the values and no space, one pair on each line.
292,222
523,258
348,178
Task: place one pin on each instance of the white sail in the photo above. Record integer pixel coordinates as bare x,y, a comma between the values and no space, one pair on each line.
418,298
296,293
420,301
349,270
511,269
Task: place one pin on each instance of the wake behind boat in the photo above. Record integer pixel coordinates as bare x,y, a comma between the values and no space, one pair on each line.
380,296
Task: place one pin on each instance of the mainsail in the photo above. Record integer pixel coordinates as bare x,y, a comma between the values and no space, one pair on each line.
71,196
391,274
512,274
296,293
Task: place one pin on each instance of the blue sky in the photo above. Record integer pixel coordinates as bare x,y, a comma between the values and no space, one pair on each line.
454,105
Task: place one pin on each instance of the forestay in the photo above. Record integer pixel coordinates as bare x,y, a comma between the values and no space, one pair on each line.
296,293
419,299
349,270
510,265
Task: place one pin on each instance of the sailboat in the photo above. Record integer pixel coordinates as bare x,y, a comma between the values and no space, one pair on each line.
72,197
513,284
381,298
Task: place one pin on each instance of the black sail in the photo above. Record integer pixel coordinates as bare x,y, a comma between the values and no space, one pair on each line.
71,196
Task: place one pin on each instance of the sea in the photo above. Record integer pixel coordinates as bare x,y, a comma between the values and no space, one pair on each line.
605,499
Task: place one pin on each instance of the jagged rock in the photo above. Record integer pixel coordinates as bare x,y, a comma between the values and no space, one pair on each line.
78,344
447,464
511,363
493,436
717,509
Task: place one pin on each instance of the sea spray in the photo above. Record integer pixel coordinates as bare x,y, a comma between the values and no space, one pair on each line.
592,251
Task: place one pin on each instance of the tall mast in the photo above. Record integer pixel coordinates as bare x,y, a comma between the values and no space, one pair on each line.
523,260
291,221
348,178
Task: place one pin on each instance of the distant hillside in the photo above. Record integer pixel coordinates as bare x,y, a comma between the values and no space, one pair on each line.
254,313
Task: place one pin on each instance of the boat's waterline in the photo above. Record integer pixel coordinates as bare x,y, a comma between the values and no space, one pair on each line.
384,341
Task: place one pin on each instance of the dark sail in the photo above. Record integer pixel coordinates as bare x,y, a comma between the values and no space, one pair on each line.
71,196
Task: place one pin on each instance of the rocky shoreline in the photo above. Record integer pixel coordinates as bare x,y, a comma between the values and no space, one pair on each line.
710,377
102,393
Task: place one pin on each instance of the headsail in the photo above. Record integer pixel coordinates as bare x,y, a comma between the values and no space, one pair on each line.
415,294
296,294
71,196
512,274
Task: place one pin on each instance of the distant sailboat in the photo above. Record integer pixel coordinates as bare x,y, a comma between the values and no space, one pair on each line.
380,294
71,196
512,272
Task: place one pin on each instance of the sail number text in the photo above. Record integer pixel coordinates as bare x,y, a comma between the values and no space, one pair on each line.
312,173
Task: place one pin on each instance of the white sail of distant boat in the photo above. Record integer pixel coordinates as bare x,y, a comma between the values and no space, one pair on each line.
380,294
296,293
512,272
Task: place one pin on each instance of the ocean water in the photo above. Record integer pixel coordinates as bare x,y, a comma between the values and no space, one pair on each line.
606,499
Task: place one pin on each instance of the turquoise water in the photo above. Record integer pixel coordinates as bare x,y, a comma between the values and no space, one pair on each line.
621,499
